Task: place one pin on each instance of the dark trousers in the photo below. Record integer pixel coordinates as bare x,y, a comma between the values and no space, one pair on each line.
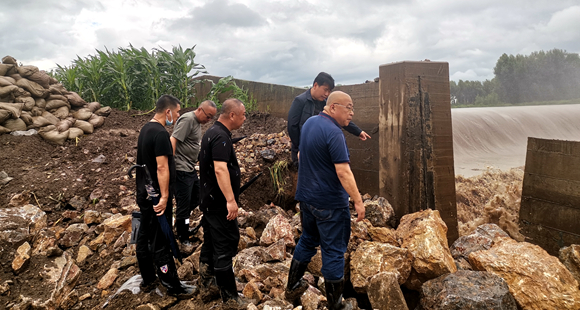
186,194
329,228
220,241
152,247
294,154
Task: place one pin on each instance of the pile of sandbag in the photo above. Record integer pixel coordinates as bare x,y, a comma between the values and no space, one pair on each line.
31,99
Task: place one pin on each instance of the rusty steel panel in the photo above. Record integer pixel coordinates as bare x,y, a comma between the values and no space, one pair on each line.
550,205
416,140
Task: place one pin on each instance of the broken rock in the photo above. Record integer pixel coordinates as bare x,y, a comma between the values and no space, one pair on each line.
467,290
92,217
275,252
535,279
424,234
84,252
385,293
371,258
379,212
570,257
311,298
22,257
108,279
73,234
384,235
18,225
278,228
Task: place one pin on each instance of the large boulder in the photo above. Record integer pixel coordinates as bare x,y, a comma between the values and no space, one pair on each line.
385,293
384,235
278,228
374,257
467,290
570,257
424,234
535,279
18,225
379,212
481,239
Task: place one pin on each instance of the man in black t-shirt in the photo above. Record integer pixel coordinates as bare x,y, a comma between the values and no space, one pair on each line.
219,193
155,152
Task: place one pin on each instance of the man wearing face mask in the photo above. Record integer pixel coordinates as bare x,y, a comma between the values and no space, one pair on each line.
311,103
155,152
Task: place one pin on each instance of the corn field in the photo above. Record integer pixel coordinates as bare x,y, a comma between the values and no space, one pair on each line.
132,78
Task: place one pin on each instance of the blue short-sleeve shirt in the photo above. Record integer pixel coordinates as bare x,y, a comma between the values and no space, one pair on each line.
322,144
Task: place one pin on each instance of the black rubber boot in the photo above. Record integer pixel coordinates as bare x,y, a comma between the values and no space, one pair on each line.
226,281
296,285
334,291
208,288
169,278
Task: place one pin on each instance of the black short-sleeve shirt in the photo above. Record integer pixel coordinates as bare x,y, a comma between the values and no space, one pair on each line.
216,145
153,141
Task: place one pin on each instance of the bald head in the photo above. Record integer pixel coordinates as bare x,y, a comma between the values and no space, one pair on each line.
231,105
340,107
233,113
338,97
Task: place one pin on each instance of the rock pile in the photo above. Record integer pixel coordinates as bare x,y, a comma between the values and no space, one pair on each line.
31,99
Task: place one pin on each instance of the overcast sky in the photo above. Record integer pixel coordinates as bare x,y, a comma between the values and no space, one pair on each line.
288,42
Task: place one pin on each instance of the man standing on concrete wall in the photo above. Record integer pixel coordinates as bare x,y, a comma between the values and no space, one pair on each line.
185,140
325,183
220,191
310,103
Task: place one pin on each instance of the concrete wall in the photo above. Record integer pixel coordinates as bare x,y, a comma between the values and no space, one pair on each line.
550,206
416,140
277,99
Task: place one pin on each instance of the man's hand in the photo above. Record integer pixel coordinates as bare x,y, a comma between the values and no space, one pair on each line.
232,210
160,207
363,136
360,210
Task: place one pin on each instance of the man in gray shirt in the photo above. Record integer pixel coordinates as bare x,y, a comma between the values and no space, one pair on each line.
186,144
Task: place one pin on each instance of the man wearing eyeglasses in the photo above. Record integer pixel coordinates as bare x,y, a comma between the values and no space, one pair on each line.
185,140
310,103
325,182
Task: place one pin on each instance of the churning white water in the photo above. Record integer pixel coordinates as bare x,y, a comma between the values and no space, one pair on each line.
497,137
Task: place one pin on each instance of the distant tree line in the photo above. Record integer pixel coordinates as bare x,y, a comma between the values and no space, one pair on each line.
540,76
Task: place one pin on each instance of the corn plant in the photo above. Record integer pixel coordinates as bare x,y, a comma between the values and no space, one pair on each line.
132,78
227,84
277,174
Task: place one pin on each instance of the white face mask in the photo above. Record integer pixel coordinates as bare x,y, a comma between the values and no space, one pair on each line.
168,123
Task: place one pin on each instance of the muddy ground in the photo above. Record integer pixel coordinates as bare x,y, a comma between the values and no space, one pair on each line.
55,174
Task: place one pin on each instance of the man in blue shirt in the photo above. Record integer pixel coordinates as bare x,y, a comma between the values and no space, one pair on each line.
310,103
325,182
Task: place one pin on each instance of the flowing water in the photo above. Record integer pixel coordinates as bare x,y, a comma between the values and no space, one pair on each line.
497,137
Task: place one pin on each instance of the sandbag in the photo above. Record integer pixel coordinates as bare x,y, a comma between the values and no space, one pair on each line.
54,136
26,71
16,76
39,121
4,130
51,118
93,106
57,89
56,97
52,81
61,112
36,111
74,99
105,111
6,81
55,104
40,103
9,60
15,109
96,121
34,88
15,124
83,114
65,124
85,126
7,90
40,77
74,133
4,68
26,117
29,102
4,115
20,92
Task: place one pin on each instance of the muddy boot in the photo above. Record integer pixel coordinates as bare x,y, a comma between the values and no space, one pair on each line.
296,285
229,291
208,289
334,291
170,280
148,287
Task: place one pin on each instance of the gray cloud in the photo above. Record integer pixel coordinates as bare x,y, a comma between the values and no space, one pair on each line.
217,13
